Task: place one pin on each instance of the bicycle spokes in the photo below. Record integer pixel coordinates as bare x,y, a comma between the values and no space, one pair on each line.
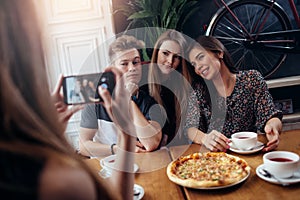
242,27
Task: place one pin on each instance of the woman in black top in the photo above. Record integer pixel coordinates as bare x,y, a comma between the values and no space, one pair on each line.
168,81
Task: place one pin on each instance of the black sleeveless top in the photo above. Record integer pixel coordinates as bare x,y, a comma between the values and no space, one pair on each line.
168,99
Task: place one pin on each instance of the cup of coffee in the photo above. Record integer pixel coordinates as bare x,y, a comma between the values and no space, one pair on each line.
244,140
282,164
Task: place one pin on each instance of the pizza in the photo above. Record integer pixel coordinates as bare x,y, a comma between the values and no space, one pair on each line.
208,170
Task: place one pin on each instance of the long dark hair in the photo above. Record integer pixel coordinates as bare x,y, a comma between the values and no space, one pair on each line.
29,124
25,106
214,45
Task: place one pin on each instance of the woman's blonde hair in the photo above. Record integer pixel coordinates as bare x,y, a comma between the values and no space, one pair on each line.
181,88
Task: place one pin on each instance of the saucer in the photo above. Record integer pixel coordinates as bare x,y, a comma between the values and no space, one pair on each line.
109,161
240,151
294,179
139,190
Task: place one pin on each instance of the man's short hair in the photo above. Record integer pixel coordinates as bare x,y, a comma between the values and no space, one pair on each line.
123,43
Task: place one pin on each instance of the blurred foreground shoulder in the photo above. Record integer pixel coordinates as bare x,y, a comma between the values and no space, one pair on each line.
66,182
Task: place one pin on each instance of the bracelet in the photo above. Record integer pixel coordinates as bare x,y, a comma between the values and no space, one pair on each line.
112,148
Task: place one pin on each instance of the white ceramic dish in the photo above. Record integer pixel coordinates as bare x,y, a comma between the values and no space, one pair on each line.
108,162
244,139
283,164
140,190
240,151
292,180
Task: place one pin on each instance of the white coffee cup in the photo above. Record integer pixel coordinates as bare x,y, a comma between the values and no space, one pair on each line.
282,164
244,140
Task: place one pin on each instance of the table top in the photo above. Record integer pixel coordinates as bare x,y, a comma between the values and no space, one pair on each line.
254,187
151,175
153,178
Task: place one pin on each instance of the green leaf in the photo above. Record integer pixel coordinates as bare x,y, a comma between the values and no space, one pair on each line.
180,5
166,6
191,8
169,14
140,15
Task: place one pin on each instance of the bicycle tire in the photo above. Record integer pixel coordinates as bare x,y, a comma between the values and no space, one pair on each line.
236,40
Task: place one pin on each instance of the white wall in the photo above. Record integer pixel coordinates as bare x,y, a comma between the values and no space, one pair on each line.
77,32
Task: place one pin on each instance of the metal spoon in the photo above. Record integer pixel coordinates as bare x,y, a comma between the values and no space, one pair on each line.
267,174
255,147
136,192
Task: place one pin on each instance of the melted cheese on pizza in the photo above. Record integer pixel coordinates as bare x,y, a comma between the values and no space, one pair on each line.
220,168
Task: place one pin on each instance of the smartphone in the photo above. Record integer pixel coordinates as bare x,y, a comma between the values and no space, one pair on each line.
83,89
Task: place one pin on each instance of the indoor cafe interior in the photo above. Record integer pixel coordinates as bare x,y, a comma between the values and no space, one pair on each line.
256,161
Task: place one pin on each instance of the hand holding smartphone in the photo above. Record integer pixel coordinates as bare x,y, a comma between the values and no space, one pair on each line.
83,89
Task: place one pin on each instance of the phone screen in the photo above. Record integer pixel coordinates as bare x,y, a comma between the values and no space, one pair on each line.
82,89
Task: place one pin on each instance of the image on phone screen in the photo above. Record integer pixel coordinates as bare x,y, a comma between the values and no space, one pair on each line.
81,89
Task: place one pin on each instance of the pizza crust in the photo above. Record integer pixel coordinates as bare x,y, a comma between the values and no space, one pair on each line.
213,162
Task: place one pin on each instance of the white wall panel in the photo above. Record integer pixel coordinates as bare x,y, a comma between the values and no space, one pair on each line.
73,129
77,32
62,11
75,51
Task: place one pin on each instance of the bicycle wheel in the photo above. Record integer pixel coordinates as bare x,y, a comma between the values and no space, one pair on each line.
248,50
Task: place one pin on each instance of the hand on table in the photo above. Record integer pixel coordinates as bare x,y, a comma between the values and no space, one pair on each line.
216,141
272,130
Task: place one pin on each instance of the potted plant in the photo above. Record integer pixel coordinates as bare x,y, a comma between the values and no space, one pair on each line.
154,16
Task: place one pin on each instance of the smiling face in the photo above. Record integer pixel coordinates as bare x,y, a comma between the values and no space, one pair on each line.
168,57
206,63
129,62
